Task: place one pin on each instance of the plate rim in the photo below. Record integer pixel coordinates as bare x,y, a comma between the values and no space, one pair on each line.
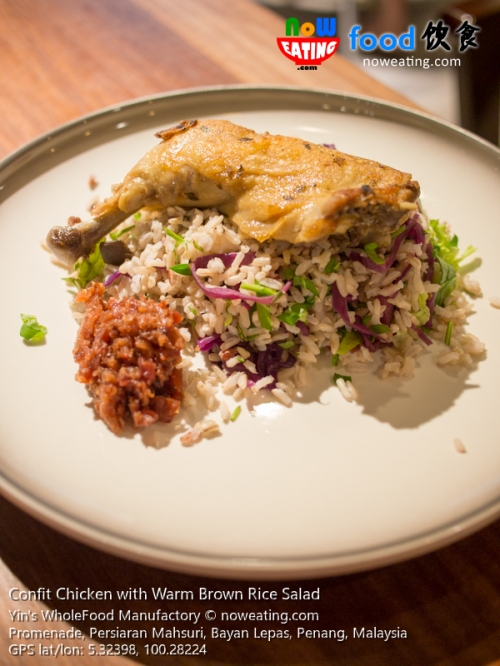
414,116
275,568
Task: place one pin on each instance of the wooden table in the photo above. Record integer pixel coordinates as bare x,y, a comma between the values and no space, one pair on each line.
63,59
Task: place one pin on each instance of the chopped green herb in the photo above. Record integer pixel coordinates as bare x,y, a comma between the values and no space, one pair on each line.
286,344
302,281
399,339
228,319
258,289
73,282
423,315
398,231
31,330
288,272
346,378
350,340
181,269
446,246
332,266
335,360
441,238
89,268
467,252
236,413
447,280
115,235
370,251
180,239
376,328
297,312
176,237
380,328
137,216
193,311
245,338
449,332
292,315
264,313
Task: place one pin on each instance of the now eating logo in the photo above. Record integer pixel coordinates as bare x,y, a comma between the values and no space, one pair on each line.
308,49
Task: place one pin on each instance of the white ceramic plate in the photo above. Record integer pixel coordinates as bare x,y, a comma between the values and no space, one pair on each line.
326,487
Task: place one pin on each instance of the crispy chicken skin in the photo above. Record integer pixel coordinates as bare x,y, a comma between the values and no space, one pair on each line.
273,187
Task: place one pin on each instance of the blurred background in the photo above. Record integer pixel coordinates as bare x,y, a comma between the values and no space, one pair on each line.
467,95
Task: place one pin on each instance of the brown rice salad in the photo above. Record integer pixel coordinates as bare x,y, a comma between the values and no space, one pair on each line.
264,313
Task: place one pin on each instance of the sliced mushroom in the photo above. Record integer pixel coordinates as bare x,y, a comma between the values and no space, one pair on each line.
115,252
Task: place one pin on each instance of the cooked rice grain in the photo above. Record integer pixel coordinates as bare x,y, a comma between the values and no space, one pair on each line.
242,334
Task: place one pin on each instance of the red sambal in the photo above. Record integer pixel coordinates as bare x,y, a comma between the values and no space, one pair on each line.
128,351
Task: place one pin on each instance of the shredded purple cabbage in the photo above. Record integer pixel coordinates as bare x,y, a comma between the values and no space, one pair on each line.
207,344
359,326
403,275
302,327
330,145
373,341
225,292
431,304
268,362
415,231
429,273
386,318
409,232
114,276
272,360
421,335
339,303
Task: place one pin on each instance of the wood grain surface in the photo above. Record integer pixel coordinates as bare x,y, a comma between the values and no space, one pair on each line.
448,602
60,59
64,59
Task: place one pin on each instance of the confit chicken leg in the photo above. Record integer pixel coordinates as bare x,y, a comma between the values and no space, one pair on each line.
273,187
